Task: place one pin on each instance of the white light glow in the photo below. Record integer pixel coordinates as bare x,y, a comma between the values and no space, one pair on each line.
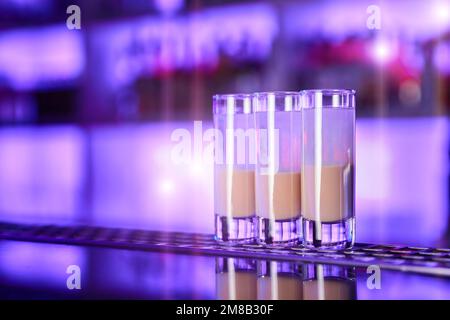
383,51
196,168
441,12
167,186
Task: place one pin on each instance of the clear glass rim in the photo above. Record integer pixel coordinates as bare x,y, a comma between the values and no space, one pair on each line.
263,107
276,93
242,103
329,91
220,96
345,98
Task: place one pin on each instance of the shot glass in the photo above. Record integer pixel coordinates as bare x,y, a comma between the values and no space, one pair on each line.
278,166
279,280
328,282
235,279
234,169
328,168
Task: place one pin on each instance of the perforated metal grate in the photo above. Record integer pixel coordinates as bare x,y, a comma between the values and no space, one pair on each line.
408,259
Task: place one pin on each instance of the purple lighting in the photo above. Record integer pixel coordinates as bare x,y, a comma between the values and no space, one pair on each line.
154,45
33,58
41,173
406,286
39,265
136,184
168,6
401,179
412,18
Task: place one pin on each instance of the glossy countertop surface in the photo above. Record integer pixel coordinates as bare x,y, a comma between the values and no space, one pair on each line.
53,271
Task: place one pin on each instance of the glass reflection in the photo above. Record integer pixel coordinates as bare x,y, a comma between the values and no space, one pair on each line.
279,281
235,279
328,282
248,279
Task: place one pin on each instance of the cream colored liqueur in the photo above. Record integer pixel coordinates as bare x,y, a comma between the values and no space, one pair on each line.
234,192
278,194
330,188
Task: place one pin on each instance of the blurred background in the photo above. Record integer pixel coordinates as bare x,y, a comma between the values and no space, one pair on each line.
87,115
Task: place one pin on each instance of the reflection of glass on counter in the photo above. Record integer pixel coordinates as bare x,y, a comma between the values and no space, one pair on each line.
279,281
328,282
235,279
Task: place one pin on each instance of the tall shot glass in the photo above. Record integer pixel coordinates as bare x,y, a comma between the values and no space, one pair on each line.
328,168
234,169
278,166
